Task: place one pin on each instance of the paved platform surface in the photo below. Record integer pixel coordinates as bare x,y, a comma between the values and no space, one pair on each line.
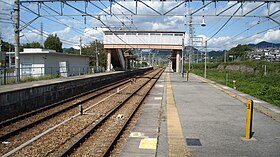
213,119
13,87
143,138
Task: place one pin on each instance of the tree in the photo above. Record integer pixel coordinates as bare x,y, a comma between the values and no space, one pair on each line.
71,50
32,45
7,46
90,51
53,42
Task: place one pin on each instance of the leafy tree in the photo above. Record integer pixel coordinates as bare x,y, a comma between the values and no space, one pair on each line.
7,46
71,50
32,45
53,42
90,50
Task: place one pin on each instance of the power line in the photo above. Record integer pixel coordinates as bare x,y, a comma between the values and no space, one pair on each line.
46,34
100,22
224,23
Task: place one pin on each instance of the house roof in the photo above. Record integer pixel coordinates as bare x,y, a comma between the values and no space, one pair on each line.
45,51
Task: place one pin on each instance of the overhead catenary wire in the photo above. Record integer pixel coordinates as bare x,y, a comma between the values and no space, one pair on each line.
81,11
46,34
224,23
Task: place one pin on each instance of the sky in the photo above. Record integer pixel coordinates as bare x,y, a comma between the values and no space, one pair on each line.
252,28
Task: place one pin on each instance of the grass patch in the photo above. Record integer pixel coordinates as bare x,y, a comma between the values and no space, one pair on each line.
266,88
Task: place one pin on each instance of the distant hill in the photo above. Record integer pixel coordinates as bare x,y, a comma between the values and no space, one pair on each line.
265,44
216,53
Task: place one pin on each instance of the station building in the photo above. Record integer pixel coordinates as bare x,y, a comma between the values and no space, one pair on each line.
36,62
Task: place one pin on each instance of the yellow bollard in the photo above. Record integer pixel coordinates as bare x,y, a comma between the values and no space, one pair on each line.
187,75
249,119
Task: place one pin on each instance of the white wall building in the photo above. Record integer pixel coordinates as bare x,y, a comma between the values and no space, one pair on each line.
37,62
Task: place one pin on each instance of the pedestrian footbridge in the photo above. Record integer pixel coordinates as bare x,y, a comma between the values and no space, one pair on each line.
132,39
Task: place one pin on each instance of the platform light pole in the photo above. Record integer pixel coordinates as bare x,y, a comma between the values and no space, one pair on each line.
16,31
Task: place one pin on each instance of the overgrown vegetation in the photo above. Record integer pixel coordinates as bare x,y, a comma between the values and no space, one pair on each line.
260,84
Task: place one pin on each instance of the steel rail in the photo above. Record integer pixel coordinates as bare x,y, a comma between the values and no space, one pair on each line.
28,126
29,114
26,115
118,135
83,138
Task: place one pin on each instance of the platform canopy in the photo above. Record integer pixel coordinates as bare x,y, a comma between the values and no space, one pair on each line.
144,39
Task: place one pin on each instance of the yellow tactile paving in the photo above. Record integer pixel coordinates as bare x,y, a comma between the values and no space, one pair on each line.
148,143
176,141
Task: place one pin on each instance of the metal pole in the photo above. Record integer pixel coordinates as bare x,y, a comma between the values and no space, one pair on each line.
183,57
225,57
205,65
80,45
0,42
17,30
96,55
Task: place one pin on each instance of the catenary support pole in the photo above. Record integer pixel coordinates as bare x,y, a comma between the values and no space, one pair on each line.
17,30
205,60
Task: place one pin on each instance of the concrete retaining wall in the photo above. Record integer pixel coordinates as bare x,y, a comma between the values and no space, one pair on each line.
21,101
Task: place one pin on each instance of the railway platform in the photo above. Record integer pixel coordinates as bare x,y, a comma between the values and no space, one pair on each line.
201,118
21,86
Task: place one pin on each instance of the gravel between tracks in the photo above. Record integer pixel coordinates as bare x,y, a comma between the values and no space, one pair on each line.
32,132
57,140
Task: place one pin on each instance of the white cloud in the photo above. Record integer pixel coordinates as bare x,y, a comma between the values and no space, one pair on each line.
269,36
93,30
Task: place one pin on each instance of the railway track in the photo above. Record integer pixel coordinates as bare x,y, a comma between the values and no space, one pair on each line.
103,136
28,121
59,134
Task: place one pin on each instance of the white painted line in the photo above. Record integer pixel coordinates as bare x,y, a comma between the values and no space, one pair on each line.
225,87
36,84
158,98
275,110
159,85
137,134
242,94
257,101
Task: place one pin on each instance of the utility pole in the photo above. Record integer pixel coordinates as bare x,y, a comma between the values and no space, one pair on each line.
17,30
183,47
41,33
190,41
225,57
96,56
0,41
205,64
80,45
